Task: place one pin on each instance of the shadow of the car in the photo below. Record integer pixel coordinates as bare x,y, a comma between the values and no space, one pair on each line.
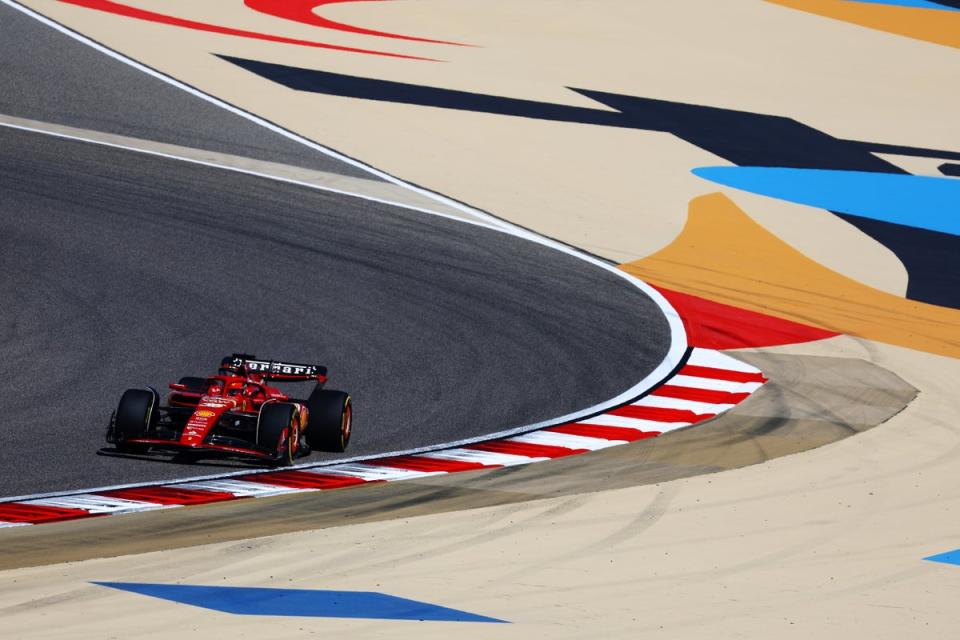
183,459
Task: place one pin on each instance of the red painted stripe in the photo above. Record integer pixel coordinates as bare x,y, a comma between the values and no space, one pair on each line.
303,11
659,414
721,374
699,395
35,514
421,463
127,11
714,325
169,495
524,449
304,480
604,432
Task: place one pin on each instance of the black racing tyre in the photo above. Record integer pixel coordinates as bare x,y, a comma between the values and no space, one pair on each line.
194,384
331,420
276,430
136,417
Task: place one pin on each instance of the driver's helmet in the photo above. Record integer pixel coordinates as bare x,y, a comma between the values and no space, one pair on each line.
230,366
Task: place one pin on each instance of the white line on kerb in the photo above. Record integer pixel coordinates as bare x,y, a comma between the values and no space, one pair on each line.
678,342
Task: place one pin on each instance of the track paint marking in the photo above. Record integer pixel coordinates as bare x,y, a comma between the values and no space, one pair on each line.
722,374
923,202
659,414
486,458
35,514
305,12
916,4
169,495
425,463
608,433
715,325
95,504
717,360
373,472
640,424
708,396
712,384
136,13
702,408
565,440
950,557
524,449
251,601
239,488
304,480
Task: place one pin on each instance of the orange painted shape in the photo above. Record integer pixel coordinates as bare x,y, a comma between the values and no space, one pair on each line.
938,27
724,256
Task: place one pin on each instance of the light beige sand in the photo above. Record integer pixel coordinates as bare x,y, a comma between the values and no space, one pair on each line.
824,543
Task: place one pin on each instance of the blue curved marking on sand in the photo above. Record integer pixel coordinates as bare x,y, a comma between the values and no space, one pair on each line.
919,4
923,202
950,557
299,602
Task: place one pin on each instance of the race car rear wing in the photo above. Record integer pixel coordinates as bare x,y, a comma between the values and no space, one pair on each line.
276,370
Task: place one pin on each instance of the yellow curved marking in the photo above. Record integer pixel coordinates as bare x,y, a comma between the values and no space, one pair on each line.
939,27
723,255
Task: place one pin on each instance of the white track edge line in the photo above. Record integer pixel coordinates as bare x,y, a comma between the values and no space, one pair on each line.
249,172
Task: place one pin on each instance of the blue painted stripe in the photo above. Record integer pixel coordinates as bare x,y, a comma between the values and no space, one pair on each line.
950,557
253,601
918,4
923,202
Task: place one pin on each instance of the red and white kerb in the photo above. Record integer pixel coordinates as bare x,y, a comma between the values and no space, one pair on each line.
709,384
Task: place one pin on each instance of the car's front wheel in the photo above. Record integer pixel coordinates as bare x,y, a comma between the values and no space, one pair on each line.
136,417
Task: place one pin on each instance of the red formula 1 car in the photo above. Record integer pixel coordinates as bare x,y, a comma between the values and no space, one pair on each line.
236,413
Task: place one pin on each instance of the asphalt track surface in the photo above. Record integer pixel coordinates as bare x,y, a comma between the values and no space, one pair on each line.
45,75
122,269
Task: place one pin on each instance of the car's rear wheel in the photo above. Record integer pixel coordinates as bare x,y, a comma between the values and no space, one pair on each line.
277,430
136,417
331,420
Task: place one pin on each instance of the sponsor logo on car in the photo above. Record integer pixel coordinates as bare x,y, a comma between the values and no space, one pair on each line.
205,413
218,402
280,367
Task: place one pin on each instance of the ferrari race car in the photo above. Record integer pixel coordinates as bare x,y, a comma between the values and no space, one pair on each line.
236,413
